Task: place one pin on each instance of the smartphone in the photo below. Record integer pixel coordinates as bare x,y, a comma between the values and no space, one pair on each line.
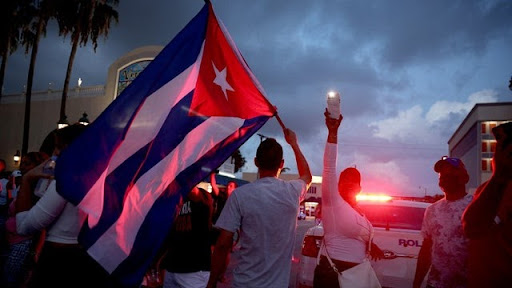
43,183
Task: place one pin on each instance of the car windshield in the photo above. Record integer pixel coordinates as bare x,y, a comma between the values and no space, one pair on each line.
400,217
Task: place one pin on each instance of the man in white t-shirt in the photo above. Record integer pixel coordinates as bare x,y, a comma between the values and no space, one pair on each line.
265,213
445,248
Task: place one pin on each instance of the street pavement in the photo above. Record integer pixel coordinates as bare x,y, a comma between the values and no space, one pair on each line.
302,227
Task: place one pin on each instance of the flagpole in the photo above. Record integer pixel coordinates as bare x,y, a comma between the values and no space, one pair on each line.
280,121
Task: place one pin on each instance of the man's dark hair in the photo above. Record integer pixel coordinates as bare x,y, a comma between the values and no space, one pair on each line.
67,134
269,154
48,144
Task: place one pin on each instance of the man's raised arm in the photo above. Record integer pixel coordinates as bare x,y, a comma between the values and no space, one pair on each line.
302,163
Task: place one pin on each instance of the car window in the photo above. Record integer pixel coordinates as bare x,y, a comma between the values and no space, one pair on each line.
400,217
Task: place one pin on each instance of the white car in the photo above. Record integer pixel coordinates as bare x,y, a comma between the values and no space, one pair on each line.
397,226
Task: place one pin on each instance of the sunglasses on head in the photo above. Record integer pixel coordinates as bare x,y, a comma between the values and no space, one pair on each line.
455,162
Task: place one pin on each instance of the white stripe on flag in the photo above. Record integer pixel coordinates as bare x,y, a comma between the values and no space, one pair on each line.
143,130
116,243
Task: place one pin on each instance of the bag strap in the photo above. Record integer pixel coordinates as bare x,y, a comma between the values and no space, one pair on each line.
370,241
370,238
319,253
328,258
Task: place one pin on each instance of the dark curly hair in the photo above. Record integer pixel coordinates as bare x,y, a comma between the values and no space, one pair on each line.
66,135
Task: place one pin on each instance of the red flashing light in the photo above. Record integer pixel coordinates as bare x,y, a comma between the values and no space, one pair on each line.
373,197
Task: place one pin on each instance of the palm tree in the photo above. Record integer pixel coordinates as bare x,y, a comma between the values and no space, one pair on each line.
10,26
239,160
40,12
83,19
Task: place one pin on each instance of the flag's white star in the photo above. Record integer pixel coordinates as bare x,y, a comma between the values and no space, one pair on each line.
220,79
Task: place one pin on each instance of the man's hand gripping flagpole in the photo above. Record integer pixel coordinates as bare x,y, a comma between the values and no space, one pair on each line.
279,119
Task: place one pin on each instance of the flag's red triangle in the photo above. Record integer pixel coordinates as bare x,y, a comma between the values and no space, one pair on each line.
224,87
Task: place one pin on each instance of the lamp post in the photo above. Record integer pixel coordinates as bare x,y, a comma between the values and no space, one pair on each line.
84,120
17,157
63,122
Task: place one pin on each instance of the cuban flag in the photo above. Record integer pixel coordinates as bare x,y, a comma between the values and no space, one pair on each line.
180,119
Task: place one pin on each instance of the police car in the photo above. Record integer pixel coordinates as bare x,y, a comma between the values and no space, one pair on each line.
397,226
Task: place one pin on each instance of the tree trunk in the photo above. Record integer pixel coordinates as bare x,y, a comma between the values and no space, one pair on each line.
68,76
28,99
4,65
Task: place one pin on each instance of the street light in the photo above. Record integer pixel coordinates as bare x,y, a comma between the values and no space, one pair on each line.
17,157
84,120
63,122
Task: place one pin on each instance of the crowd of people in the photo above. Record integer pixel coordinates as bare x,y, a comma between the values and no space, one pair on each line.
467,239
42,227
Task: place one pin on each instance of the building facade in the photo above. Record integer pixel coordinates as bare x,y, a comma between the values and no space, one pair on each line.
473,141
45,105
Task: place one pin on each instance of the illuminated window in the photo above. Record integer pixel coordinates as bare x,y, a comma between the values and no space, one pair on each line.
484,128
484,146
485,166
129,73
491,125
312,190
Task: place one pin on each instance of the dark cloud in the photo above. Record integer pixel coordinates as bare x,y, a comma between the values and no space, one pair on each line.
290,46
410,31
